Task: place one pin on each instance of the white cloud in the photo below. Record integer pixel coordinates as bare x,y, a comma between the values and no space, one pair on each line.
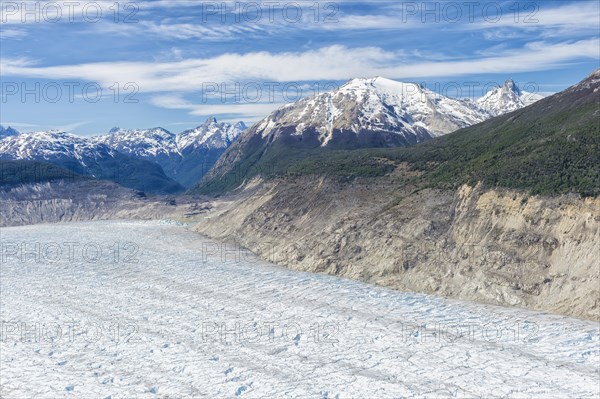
179,31
198,23
334,62
10,33
328,63
189,76
36,127
535,56
575,16
547,21
36,12
248,112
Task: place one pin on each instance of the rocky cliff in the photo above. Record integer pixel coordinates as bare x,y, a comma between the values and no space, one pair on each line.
78,200
491,246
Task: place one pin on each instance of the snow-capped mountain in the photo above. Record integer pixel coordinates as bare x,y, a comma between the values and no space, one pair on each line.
507,98
6,132
184,157
51,145
168,157
87,157
143,143
157,142
201,148
383,112
155,145
211,134
371,112
374,112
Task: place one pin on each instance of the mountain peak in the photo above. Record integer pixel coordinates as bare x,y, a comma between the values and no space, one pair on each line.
382,80
9,131
211,134
592,80
510,85
375,81
53,132
376,112
507,98
140,132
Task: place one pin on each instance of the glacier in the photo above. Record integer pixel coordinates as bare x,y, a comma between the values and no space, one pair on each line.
132,309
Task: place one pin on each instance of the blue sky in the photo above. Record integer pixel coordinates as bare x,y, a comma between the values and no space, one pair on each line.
173,63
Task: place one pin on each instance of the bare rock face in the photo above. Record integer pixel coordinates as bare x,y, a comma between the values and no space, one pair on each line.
496,247
507,98
77,200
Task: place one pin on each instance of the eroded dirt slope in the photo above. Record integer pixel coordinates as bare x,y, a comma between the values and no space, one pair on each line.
497,247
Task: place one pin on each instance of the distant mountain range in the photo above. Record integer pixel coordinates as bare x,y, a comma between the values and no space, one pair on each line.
6,132
85,157
151,160
184,157
363,113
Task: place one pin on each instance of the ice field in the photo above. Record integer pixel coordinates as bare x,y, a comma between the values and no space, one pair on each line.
152,310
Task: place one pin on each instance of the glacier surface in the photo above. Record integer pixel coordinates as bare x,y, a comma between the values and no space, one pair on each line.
149,309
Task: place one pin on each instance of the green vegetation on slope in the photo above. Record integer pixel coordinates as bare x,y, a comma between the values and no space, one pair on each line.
25,172
559,154
280,160
550,147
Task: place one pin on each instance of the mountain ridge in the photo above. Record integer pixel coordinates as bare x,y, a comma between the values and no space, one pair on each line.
363,113
507,98
84,157
549,147
7,132
184,157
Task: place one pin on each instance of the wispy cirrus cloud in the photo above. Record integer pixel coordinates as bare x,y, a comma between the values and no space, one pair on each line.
187,31
574,17
11,33
174,48
328,63
242,111
334,63
207,21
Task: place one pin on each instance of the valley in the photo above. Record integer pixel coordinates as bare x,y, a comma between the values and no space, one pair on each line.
490,246
329,200
172,316
498,213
